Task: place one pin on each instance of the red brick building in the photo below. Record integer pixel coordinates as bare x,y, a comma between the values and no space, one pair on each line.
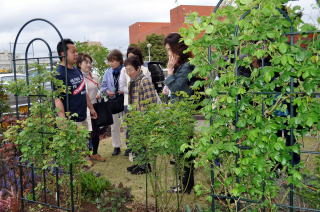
139,30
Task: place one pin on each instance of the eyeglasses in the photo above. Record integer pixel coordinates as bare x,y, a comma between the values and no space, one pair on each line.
129,70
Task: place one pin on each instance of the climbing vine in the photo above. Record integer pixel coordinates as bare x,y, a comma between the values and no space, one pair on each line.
260,73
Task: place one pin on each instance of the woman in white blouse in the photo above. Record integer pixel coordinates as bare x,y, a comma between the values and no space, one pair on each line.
84,63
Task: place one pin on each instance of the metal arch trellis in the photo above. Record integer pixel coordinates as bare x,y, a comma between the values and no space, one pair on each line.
26,59
290,206
56,171
27,68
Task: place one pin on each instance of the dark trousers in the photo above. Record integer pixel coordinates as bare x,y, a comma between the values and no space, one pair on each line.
295,156
187,177
95,133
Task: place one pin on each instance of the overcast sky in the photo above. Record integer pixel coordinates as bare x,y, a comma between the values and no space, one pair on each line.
94,20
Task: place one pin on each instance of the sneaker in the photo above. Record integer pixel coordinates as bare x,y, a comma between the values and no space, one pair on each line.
98,157
116,151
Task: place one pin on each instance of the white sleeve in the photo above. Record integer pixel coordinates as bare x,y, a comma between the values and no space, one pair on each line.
123,86
146,73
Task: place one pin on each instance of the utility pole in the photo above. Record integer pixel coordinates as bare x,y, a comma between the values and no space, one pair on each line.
149,46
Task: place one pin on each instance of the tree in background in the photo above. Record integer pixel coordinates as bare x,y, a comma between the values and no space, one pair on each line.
97,52
158,52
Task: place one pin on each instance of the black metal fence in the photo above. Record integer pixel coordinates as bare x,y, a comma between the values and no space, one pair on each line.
35,185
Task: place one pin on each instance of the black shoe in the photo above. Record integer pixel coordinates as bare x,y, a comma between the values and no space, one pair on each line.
126,153
172,162
130,168
116,151
141,169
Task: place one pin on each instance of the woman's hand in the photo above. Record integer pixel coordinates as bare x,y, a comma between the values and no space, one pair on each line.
120,92
110,93
165,90
173,60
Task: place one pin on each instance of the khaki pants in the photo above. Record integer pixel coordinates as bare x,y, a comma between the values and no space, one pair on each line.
83,124
115,130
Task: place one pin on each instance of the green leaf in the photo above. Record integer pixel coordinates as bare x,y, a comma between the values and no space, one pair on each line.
305,74
245,1
267,76
271,35
283,48
241,123
188,42
260,53
209,29
229,99
284,60
237,171
235,192
309,121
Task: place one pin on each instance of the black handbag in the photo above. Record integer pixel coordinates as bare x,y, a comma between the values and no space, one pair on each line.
116,105
104,114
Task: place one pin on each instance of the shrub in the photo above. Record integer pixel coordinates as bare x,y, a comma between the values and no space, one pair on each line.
115,199
92,186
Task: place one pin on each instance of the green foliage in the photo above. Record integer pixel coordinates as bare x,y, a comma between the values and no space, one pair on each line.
4,107
97,52
92,186
161,132
115,199
43,138
259,34
157,50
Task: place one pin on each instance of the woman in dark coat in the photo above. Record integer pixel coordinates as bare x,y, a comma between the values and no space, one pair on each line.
177,80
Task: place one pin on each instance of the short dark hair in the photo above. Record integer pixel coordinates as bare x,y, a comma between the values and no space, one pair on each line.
136,51
115,54
178,47
81,57
134,61
61,44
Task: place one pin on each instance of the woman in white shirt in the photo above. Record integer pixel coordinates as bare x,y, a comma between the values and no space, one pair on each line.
84,63
124,77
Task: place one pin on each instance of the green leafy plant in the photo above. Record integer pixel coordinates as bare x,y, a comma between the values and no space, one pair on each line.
162,132
92,186
244,112
3,100
43,138
115,199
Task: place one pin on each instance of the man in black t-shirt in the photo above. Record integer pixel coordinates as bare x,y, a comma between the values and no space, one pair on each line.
78,98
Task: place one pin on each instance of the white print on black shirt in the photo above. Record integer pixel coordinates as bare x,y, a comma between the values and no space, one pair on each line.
78,84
